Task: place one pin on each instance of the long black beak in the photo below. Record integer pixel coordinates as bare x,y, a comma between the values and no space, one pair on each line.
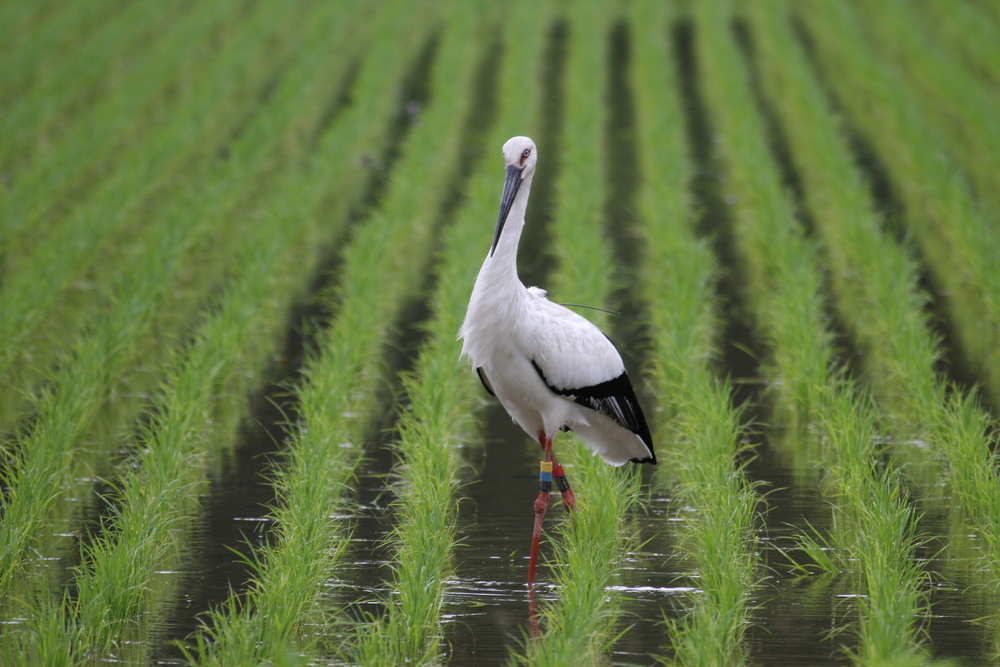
510,188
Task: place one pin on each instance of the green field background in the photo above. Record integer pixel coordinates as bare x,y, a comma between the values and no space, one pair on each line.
206,207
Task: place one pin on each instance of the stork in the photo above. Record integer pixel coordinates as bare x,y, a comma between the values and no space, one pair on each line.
549,367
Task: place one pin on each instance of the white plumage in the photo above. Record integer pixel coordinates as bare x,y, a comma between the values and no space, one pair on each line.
549,367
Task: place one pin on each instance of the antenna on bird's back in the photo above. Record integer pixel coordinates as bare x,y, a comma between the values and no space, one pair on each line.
580,305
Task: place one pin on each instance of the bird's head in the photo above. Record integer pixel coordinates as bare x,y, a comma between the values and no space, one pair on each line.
520,156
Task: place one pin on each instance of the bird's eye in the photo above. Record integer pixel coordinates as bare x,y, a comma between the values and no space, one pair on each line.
526,153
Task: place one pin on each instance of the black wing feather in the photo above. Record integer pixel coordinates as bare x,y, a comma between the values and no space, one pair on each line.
486,383
615,399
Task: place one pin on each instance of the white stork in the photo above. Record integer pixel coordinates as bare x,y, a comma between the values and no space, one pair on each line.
549,367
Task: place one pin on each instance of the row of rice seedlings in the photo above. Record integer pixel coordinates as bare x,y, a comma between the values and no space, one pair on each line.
43,454
876,532
107,136
679,274
34,35
967,29
50,171
960,103
44,281
779,261
33,121
952,422
113,603
380,270
16,17
885,311
112,589
963,434
442,392
886,551
579,624
961,247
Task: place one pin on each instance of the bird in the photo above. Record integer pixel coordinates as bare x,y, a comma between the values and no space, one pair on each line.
550,368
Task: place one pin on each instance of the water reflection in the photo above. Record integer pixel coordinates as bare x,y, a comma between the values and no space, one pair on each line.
795,620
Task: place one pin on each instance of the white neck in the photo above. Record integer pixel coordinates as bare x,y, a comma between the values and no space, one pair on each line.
498,296
501,264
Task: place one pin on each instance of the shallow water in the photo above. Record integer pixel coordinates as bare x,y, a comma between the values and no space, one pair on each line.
796,620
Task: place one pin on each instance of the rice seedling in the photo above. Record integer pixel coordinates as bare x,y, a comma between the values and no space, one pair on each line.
160,480
884,312
955,99
887,539
441,391
964,433
879,529
579,625
54,175
342,373
48,272
780,261
39,114
959,245
175,176
44,453
33,37
965,28
679,276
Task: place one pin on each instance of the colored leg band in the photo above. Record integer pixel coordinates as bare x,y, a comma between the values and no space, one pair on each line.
560,478
545,476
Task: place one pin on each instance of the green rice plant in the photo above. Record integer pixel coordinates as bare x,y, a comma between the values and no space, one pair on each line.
960,246
968,29
18,18
780,262
33,37
50,172
884,540
820,549
48,272
579,625
880,531
162,478
700,428
35,118
885,311
44,455
380,268
955,99
963,434
441,391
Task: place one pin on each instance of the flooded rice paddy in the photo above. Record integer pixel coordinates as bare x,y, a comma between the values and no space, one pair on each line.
236,243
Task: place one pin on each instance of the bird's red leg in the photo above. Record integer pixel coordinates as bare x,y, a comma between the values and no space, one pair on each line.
559,477
541,503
